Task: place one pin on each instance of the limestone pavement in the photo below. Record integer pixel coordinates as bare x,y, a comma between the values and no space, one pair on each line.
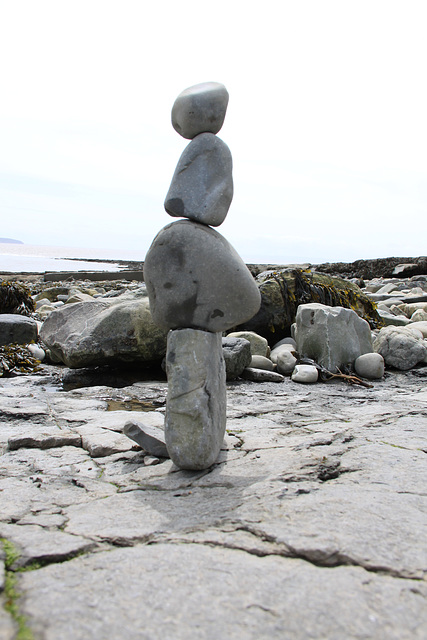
312,524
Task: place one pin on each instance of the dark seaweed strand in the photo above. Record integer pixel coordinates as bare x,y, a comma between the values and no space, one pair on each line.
15,298
307,291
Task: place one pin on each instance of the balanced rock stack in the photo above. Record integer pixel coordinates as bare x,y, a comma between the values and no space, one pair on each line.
198,286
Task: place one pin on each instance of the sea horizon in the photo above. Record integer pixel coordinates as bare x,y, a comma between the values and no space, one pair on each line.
29,258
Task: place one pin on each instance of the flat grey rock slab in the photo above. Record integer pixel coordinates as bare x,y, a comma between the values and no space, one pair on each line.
15,328
196,279
200,108
156,591
202,185
318,497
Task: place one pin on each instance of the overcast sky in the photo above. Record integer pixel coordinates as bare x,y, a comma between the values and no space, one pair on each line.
327,122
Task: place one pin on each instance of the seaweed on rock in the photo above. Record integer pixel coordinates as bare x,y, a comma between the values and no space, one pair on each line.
15,298
282,291
16,359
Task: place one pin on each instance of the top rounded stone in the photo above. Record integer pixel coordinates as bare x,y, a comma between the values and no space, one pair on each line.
200,109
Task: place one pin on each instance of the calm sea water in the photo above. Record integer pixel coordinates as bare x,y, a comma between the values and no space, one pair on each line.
24,258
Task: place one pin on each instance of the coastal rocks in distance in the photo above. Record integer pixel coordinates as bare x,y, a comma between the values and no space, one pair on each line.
202,185
196,279
17,329
400,347
284,290
104,331
200,108
196,402
332,336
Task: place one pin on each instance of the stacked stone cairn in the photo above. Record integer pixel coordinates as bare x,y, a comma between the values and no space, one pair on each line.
198,286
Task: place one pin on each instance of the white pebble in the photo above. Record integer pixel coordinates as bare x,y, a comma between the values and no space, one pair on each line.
306,373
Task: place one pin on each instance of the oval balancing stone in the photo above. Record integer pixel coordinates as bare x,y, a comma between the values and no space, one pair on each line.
196,279
199,109
202,185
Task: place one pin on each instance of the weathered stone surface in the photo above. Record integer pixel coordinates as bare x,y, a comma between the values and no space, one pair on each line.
333,336
18,329
151,439
282,291
200,108
259,345
104,331
285,361
241,548
399,347
196,403
370,365
305,373
261,362
202,185
283,348
237,355
196,279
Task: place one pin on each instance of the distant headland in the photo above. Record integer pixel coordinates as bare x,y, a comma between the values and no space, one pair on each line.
10,241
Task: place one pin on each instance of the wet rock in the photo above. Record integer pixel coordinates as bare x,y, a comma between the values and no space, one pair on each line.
196,279
202,185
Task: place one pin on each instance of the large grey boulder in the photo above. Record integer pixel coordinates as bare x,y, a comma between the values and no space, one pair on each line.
399,347
196,403
17,329
202,185
104,331
199,109
237,356
196,279
333,336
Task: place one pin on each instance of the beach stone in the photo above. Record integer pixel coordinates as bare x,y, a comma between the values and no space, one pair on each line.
333,336
202,185
261,362
285,362
104,331
79,296
196,402
390,319
419,316
305,373
399,348
200,108
36,351
149,438
17,329
196,279
370,365
281,349
288,341
237,355
259,345
261,375
420,326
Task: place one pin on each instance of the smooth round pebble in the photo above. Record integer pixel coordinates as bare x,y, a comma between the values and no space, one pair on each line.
286,362
306,373
200,109
259,344
370,365
280,349
36,351
290,341
261,362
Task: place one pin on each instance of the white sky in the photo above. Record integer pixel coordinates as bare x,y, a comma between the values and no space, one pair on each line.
327,121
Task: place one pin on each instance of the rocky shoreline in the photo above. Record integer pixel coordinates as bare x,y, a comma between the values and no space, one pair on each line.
311,524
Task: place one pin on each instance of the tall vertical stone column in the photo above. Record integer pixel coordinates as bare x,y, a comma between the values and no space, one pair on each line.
197,284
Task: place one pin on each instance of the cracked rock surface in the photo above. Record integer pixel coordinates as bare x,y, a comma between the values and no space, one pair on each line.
313,523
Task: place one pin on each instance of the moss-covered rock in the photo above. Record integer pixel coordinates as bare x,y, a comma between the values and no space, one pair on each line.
284,290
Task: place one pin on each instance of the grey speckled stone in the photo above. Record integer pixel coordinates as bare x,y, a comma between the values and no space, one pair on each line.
202,185
18,329
196,279
200,108
196,404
